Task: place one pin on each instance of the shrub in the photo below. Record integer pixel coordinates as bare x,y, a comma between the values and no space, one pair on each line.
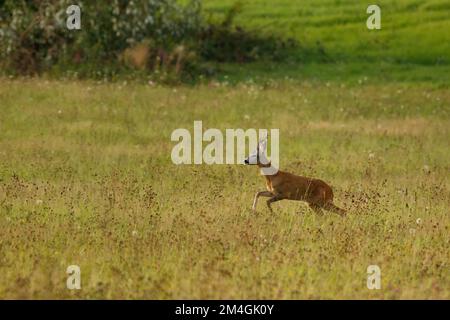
224,42
118,35
34,34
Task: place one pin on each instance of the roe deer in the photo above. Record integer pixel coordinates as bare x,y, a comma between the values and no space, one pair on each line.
284,185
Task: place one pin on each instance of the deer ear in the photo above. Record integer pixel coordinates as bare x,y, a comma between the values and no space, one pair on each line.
263,143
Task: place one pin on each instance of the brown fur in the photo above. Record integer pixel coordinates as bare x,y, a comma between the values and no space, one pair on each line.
284,185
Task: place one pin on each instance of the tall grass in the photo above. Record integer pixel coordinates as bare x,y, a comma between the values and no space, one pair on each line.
86,179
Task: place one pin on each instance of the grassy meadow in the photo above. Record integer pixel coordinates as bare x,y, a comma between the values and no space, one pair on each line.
86,176
87,179
413,44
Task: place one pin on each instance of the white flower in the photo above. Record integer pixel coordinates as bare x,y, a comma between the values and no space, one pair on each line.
419,221
134,233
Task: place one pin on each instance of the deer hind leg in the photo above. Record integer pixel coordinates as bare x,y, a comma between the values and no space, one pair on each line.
327,203
273,199
260,194
321,200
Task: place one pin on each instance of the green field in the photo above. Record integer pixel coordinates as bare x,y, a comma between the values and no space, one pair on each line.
335,44
86,176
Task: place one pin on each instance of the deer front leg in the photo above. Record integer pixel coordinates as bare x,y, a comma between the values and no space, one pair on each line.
259,194
273,199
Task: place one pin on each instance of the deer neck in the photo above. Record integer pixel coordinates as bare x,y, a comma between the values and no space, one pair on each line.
267,176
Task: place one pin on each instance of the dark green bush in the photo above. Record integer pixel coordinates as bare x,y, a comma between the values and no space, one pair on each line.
224,42
119,35
34,35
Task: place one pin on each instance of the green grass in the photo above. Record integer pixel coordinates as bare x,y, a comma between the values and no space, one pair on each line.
413,43
86,179
412,31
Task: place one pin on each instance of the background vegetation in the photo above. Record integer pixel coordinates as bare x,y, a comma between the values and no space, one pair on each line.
335,45
161,38
229,40
86,176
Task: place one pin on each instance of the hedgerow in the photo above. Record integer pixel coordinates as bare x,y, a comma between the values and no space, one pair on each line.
159,37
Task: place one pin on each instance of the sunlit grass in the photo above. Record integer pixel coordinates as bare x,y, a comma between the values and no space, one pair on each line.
412,31
86,179
335,44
